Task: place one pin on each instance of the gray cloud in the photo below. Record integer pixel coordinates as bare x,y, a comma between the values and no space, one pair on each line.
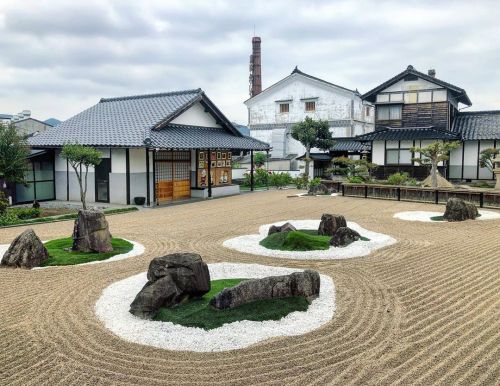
59,57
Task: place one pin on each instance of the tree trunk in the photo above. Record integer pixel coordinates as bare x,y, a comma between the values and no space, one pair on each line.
82,195
84,199
308,161
434,181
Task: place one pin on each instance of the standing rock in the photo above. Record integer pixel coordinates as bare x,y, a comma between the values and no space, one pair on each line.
330,223
26,251
91,232
344,236
305,284
460,210
320,189
286,227
172,279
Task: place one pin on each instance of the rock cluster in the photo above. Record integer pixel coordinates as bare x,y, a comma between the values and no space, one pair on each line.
330,223
459,210
305,284
26,251
91,232
286,227
172,279
320,189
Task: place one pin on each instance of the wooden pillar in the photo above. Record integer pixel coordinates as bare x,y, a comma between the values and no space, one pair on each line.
127,174
251,170
148,189
209,176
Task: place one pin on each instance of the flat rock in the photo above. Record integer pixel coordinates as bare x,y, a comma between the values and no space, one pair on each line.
330,223
172,279
26,251
305,284
459,210
286,227
91,232
344,236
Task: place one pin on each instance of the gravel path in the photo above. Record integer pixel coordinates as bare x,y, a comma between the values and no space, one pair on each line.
422,311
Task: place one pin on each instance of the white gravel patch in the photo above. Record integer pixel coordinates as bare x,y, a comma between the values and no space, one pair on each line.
317,195
112,309
420,215
250,243
137,250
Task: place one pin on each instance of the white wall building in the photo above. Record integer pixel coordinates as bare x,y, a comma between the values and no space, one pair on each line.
274,111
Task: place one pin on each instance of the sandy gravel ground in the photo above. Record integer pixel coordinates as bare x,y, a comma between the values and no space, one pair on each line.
423,311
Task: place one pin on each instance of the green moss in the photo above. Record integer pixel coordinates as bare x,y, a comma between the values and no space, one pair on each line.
60,255
198,313
300,240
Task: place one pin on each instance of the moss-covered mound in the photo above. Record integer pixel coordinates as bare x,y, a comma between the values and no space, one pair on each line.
441,218
60,252
198,312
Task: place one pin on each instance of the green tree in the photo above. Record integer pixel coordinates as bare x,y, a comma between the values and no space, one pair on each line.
434,154
311,134
259,159
79,157
14,150
486,158
352,167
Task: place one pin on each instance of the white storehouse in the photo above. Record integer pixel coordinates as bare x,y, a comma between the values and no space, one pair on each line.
273,112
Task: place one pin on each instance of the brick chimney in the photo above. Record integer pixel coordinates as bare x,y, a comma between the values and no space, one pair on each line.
432,72
255,68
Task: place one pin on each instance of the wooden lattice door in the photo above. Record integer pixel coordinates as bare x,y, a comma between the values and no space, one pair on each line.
172,175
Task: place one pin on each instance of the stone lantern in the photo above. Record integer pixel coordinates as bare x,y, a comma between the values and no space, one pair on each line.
496,170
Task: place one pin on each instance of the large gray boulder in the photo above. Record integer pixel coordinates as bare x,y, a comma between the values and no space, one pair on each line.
26,251
460,210
320,189
344,236
330,223
305,284
172,279
286,227
91,232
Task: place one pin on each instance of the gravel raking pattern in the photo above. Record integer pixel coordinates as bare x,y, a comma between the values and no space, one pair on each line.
422,311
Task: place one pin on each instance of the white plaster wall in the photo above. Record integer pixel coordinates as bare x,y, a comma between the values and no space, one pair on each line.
137,159
456,163
378,150
470,160
419,84
332,103
484,173
262,135
60,162
118,161
196,116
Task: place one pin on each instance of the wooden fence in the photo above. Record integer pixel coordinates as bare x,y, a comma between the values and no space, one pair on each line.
481,198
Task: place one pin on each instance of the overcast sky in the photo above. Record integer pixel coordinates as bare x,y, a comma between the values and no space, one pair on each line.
60,57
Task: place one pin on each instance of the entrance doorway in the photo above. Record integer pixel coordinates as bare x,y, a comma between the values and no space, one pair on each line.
102,180
172,175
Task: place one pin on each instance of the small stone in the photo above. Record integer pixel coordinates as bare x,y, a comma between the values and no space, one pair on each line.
26,251
330,223
286,227
305,284
459,210
344,236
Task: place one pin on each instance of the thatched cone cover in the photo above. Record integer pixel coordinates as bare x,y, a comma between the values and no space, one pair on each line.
91,232
441,181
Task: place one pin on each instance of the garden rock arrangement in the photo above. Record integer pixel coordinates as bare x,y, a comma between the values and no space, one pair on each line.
172,279
26,251
91,232
460,210
320,189
306,284
344,236
330,223
286,227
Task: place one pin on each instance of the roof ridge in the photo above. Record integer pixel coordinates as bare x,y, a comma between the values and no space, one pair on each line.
479,112
297,71
155,95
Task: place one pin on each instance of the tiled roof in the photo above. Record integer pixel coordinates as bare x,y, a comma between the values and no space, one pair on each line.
174,136
476,125
317,156
5,116
408,133
349,145
124,121
134,121
457,91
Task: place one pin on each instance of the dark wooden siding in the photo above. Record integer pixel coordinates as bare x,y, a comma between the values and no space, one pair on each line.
417,172
420,115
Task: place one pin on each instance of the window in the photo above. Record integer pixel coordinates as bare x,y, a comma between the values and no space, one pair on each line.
284,108
367,111
388,113
311,106
398,153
